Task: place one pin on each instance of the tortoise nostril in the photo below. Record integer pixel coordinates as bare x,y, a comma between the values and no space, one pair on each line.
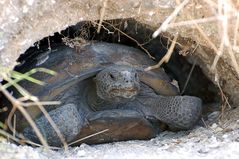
135,75
127,81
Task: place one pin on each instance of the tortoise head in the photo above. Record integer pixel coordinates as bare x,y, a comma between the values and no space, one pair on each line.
117,83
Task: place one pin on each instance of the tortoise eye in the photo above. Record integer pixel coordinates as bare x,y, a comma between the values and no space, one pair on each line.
112,76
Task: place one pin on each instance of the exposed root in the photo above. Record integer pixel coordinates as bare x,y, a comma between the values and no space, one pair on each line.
145,50
166,57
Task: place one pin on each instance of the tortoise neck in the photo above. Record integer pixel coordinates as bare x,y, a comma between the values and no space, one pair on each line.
95,102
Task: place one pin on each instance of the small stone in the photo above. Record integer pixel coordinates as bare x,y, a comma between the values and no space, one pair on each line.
30,2
214,126
225,136
25,9
151,13
218,129
81,153
203,151
237,139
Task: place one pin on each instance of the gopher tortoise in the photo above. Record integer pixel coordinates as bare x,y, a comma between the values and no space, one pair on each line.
103,86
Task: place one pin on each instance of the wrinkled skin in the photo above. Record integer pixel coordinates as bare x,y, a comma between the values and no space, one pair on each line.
103,88
117,84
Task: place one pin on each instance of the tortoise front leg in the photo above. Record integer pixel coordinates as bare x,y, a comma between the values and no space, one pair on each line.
68,120
180,112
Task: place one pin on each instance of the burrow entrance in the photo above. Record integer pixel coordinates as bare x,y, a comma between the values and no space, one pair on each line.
190,77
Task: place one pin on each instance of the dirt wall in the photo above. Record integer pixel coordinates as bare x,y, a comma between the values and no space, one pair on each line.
22,23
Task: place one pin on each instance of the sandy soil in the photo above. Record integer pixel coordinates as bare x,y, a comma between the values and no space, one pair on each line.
210,143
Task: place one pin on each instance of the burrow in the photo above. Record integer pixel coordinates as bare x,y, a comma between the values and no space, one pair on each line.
183,66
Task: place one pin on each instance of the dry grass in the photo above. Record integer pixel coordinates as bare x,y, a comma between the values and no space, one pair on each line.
102,13
227,17
27,100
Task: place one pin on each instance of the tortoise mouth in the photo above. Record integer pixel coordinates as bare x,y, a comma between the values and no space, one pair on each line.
124,92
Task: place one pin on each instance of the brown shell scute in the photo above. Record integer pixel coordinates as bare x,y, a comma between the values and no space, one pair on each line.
75,64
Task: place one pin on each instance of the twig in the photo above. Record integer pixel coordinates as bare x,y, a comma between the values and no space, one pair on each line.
210,43
227,9
166,57
17,104
9,119
49,43
39,145
219,54
236,31
102,13
165,24
6,134
189,76
223,96
224,9
198,21
14,125
39,104
22,141
233,59
30,104
89,136
205,124
218,51
129,38
53,124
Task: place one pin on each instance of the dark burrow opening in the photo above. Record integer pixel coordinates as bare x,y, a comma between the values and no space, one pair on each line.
190,77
